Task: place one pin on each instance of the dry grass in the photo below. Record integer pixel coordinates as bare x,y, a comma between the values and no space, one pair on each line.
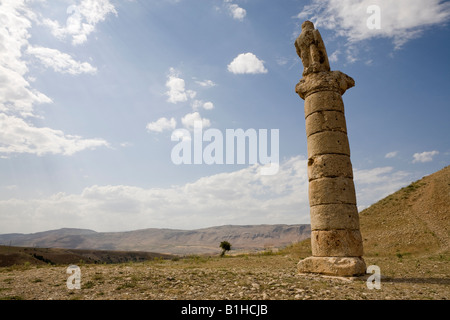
413,220
262,276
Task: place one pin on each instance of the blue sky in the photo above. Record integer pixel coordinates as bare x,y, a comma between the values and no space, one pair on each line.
92,91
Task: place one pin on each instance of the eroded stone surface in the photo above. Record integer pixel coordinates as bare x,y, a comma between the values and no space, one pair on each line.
334,216
328,142
329,165
324,81
333,266
332,191
323,101
325,121
311,49
336,243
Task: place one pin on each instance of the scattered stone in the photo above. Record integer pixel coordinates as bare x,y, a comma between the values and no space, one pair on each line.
256,286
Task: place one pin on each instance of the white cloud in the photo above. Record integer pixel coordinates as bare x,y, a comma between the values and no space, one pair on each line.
181,135
392,154
177,88
82,19
126,144
59,61
162,124
426,156
177,92
239,197
247,63
189,120
16,94
18,98
17,136
352,53
236,12
401,20
334,56
206,83
376,183
282,61
208,105
197,104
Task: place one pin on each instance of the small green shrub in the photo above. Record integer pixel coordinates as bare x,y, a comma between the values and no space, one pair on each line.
225,246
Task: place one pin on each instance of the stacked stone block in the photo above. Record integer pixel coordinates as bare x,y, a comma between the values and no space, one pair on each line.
336,239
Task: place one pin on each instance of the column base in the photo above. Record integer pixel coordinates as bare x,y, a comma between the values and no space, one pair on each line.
333,266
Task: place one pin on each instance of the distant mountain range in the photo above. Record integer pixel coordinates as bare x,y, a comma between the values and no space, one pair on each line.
181,242
413,220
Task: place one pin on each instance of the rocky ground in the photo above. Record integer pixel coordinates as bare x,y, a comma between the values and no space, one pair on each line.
255,277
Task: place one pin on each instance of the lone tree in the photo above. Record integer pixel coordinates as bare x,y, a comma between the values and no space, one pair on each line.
226,246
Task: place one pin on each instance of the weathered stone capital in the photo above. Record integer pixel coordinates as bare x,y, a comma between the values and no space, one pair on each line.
324,81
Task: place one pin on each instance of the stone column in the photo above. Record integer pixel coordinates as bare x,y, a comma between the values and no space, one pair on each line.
335,238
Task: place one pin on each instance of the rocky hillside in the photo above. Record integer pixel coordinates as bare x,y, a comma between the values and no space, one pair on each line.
413,220
201,241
